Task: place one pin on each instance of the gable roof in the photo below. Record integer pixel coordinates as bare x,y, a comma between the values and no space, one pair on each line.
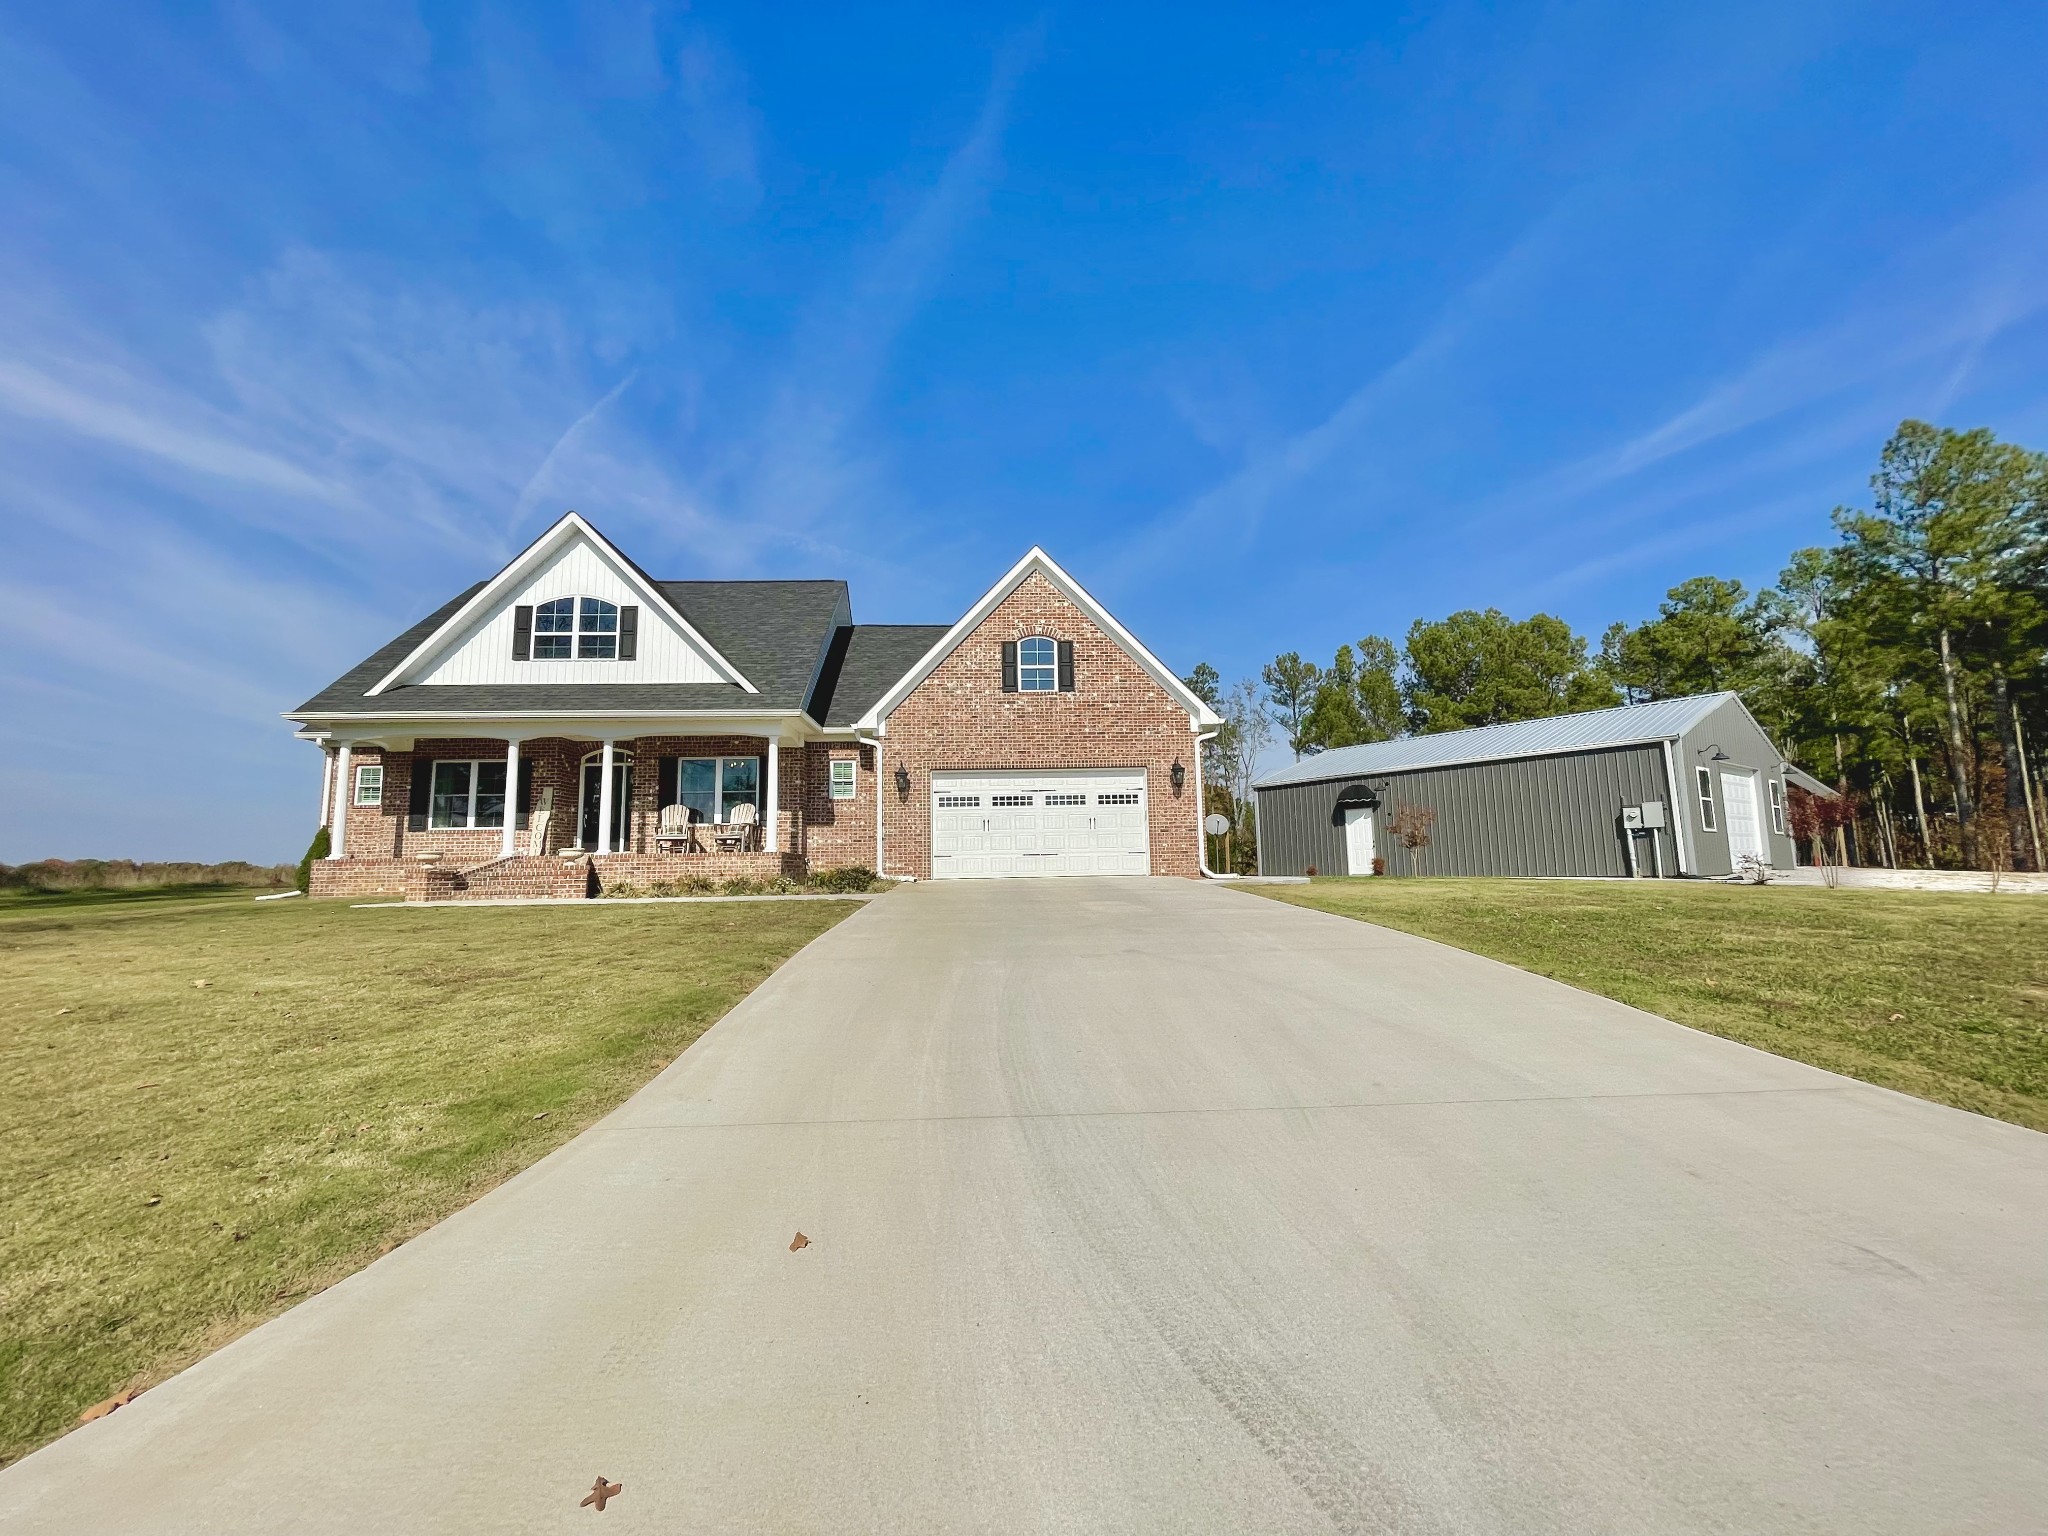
1627,725
772,631
568,528
1035,560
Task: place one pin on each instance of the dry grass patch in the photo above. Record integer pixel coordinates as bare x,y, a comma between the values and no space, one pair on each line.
214,1107
1939,994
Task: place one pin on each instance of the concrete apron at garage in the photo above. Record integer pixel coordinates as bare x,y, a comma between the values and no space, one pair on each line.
1141,1205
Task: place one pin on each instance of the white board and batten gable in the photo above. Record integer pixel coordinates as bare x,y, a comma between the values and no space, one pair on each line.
572,559
1036,561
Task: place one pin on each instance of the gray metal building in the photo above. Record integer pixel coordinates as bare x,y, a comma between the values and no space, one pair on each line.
1675,788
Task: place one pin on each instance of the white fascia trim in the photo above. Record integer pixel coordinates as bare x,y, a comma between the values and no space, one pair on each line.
571,524
1038,560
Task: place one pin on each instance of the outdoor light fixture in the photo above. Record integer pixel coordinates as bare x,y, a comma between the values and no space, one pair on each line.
902,781
1715,748
1179,776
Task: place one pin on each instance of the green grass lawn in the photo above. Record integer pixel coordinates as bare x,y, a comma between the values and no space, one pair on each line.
180,1162
1935,994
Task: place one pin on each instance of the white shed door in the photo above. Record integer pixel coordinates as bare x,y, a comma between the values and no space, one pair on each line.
1077,821
1745,821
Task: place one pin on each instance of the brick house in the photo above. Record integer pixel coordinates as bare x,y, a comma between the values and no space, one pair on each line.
572,724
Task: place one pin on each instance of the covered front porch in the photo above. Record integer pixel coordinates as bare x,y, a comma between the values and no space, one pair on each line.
520,813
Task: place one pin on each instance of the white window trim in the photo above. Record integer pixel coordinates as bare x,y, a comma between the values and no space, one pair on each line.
1051,669
846,788
469,821
1705,781
718,782
1777,807
368,774
580,613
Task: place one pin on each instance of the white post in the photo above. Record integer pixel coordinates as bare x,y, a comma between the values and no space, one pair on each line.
878,805
604,799
326,787
773,839
344,791
511,843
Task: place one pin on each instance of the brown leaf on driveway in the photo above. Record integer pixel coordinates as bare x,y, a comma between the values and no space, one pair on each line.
799,1241
101,1410
599,1492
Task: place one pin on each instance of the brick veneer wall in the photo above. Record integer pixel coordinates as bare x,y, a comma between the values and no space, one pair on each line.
1116,717
641,870
838,833
358,877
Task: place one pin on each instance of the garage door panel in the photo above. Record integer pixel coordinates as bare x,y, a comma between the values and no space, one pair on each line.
1039,822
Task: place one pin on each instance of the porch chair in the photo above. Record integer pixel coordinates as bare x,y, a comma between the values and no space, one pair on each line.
737,836
673,830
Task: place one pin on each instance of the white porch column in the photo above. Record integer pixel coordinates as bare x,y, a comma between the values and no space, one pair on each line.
511,843
326,788
604,798
344,791
773,839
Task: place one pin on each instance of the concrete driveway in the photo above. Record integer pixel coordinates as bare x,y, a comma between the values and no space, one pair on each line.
1150,1206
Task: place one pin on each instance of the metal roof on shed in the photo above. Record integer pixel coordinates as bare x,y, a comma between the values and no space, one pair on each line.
1663,720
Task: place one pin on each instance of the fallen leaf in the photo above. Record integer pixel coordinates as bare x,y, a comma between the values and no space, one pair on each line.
101,1410
241,1236
542,1115
1897,1017
799,1241
140,1086
599,1492
63,1010
154,1200
387,1248
198,983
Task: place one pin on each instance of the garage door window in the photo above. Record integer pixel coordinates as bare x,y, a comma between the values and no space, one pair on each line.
1128,798
959,802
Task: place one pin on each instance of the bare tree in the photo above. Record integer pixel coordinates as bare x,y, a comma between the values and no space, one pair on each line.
1247,732
1410,827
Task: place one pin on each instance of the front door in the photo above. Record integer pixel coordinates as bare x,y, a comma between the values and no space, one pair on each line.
1745,821
622,786
1359,847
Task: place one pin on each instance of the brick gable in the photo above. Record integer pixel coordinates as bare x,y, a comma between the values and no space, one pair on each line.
1118,716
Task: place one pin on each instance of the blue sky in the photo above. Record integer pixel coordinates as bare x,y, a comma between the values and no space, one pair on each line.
1274,330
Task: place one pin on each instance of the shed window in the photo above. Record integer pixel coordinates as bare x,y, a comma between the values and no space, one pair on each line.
1777,808
1037,665
1706,781
842,778
369,784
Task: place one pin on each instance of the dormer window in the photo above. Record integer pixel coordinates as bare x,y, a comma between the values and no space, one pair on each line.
585,628
1037,665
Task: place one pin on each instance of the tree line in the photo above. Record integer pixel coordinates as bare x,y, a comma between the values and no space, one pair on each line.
1906,663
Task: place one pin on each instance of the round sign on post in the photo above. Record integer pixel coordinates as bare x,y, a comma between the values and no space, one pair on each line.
1217,824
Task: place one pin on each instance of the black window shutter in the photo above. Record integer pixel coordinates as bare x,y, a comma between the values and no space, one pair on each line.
524,805
668,783
1009,666
522,632
1066,666
422,792
629,632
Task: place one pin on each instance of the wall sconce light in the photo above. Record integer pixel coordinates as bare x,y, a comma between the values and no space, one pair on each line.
1715,748
902,782
1179,776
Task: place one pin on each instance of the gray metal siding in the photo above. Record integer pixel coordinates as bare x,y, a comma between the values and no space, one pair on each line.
1556,815
1731,729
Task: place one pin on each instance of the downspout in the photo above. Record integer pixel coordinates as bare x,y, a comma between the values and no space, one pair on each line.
1201,833
876,742
1681,819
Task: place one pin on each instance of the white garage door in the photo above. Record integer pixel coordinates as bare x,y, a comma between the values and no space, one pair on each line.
1078,821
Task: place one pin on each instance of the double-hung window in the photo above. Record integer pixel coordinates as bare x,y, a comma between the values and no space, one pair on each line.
584,627
1777,807
1037,665
467,794
712,786
1706,782
369,783
842,778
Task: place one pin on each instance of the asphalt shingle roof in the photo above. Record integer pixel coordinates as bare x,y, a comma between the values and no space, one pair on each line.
773,631
1631,723
865,660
